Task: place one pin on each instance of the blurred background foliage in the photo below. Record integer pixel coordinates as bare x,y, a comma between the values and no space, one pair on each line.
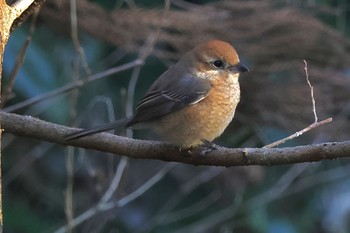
46,188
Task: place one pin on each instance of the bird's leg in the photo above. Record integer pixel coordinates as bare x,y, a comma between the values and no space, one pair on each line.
207,146
203,149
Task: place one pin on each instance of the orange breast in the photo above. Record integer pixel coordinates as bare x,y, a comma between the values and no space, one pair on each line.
205,120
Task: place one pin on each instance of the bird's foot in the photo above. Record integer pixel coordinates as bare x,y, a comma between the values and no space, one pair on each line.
203,149
207,146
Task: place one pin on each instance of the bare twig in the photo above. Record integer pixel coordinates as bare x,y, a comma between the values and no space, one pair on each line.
310,127
71,86
144,52
26,161
75,37
299,133
273,193
116,180
311,91
176,198
19,62
277,191
191,210
102,206
145,186
69,202
219,216
71,222
294,187
69,198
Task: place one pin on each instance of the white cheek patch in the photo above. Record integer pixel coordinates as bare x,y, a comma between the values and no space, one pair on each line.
210,74
207,74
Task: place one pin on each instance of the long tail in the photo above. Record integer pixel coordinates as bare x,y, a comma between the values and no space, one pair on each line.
98,129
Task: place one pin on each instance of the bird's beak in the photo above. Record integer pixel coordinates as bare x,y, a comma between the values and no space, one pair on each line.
239,68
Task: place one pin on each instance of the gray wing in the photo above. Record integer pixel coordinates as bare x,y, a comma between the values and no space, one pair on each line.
172,91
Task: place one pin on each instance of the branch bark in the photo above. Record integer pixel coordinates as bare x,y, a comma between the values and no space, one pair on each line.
34,128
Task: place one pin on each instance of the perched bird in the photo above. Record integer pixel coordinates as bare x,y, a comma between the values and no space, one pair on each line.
191,103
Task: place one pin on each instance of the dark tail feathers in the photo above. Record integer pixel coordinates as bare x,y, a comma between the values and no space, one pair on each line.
98,129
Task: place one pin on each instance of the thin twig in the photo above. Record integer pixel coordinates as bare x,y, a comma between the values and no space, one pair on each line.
116,180
75,37
172,202
146,186
191,210
310,127
19,62
68,197
274,193
98,100
311,91
145,51
279,187
205,223
26,161
299,133
71,86
102,206
278,190
119,170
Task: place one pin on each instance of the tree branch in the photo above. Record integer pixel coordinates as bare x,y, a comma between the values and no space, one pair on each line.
34,128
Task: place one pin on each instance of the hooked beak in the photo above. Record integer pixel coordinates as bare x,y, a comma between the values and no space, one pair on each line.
239,68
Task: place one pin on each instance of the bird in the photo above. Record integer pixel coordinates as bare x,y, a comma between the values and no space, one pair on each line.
192,102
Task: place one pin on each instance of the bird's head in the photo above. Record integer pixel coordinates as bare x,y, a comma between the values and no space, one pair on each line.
213,58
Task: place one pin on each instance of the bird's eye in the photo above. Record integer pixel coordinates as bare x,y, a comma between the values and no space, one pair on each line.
218,63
